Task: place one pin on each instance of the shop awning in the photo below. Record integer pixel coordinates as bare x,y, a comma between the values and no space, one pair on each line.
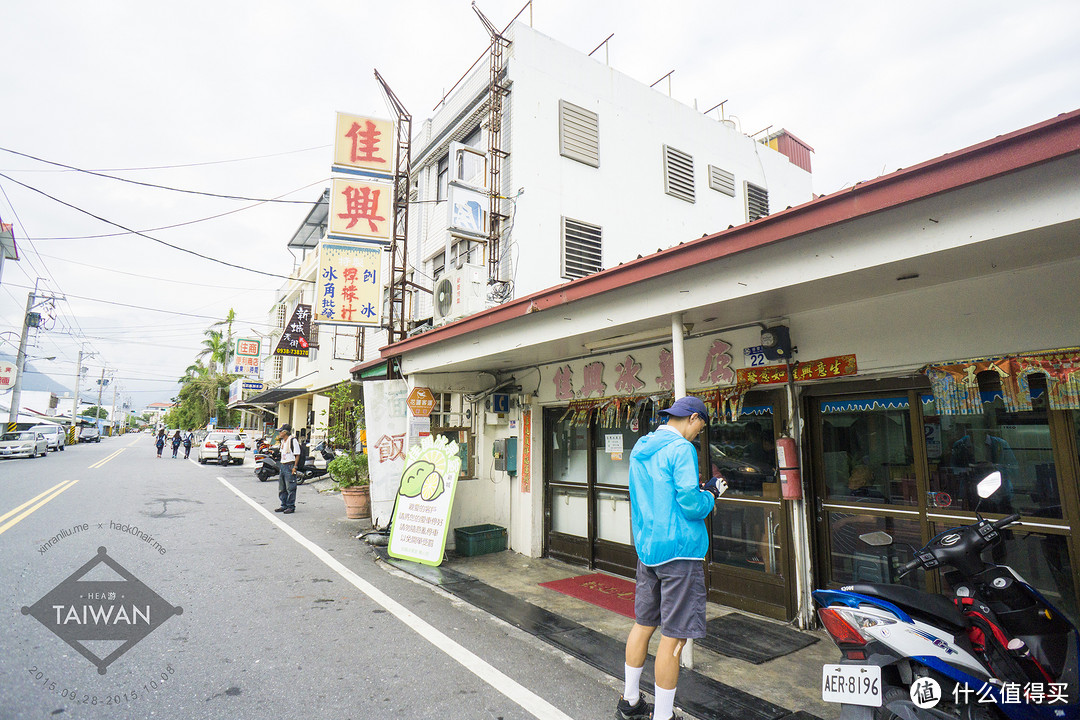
370,370
956,387
275,396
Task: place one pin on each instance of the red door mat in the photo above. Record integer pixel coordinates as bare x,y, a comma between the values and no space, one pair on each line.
608,592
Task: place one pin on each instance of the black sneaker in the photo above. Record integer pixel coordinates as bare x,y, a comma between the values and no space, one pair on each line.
626,711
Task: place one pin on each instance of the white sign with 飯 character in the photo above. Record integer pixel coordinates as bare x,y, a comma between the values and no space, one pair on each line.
425,497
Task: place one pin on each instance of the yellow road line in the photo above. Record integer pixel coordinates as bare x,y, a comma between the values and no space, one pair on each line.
31,501
106,459
63,486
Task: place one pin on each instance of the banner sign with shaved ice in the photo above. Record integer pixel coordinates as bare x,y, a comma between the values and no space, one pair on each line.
425,496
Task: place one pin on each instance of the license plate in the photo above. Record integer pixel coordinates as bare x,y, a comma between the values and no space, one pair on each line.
851,684
258,464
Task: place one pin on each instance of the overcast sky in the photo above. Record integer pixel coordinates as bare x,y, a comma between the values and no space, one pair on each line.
238,98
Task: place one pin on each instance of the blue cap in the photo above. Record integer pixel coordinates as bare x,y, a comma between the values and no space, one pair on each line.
687,406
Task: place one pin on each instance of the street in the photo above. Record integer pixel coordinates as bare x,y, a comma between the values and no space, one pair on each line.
264,616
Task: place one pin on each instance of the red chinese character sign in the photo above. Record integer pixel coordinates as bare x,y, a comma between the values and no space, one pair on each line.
364,145
348,289
361,210
823,369
295,338
7,375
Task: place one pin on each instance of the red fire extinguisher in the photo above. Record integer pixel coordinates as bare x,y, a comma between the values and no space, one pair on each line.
787,461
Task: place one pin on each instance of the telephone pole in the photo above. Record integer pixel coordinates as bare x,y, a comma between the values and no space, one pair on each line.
30,319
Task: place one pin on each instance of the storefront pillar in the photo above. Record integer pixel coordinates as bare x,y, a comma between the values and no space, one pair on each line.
678,355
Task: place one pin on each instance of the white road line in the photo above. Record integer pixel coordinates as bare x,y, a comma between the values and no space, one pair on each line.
527,699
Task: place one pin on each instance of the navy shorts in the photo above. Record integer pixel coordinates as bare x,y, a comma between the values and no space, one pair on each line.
672,597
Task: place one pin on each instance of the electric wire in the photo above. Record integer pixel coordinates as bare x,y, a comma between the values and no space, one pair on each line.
154,185
201,164
151,277
150,237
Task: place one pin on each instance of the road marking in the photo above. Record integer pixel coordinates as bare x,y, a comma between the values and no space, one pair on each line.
55,490
106,459
528,700
31,501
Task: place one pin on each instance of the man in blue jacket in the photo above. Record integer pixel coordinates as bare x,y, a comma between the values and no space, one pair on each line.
668,508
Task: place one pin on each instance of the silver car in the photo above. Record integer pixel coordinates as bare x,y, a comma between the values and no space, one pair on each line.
55,435
23,443
208,447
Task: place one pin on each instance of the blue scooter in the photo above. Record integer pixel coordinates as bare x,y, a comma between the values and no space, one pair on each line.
994,648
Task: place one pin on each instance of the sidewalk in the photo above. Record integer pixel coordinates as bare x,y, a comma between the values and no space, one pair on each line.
507,585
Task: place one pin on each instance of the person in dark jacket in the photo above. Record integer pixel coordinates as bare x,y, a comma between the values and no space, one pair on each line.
187,437
160,443
175,443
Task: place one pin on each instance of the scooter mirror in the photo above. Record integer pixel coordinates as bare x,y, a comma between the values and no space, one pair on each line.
989,484
877,539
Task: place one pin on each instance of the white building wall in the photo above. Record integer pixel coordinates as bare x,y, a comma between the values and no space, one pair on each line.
625,195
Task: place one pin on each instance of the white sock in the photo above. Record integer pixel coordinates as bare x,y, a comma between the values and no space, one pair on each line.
631,691
665,703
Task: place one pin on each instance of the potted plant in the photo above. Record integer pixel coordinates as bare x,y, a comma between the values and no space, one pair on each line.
349,470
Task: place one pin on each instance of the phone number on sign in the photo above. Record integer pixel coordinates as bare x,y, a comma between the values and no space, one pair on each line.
84,698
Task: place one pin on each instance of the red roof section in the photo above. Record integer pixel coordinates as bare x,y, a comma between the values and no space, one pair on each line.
1030,146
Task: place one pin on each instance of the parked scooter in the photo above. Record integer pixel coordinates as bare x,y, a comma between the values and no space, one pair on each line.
224,457
995,647
314,465
267,464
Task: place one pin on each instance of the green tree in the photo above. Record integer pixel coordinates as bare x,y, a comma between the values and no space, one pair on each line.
95,411
343,426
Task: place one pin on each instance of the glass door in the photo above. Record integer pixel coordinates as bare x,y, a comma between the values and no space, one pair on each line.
614,437
566,468
748,553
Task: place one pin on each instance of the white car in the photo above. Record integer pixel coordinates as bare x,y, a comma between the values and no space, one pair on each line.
208,448
55,435
23,443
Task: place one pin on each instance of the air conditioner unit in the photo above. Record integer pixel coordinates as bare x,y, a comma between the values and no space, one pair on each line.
460,292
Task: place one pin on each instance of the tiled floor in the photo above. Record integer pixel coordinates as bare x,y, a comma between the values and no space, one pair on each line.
791,681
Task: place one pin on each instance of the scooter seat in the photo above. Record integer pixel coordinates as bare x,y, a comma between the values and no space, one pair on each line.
915,602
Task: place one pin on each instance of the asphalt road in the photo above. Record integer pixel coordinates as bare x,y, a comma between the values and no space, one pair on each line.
280,616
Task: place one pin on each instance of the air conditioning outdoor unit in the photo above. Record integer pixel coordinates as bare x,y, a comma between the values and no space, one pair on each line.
459,292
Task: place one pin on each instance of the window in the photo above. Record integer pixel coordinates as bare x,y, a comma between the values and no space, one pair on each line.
581,249
438,266
278,367
678,174
282,309
442,178
313,335
579,134
448,420
722,181
757,202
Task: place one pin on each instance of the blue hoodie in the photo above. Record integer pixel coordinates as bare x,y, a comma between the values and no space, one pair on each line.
667,507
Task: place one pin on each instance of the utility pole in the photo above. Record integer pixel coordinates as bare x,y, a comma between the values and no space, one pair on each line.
30,319
101,386
112,415
75,404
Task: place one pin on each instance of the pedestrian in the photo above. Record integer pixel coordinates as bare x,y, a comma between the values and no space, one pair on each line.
187,438
290,448
175,443
160,441
668,507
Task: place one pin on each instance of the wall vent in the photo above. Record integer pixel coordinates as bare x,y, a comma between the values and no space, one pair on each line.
581,249
579,134
678,174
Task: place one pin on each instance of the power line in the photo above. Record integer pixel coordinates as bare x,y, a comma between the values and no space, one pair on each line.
147,277
143,307
152,185
180,224
149,237
209,162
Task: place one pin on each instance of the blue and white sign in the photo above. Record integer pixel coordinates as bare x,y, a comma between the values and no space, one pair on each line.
755,356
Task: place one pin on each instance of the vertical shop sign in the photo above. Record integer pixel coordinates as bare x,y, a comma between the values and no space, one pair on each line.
361,210
364,145
386,422
349,288
526,450
294,340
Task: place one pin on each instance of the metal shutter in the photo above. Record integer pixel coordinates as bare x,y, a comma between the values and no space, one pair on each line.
722,181
579,134
757,202
580,249
678,174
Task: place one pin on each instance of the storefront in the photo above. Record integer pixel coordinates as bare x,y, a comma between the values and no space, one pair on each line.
905,459
587,446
